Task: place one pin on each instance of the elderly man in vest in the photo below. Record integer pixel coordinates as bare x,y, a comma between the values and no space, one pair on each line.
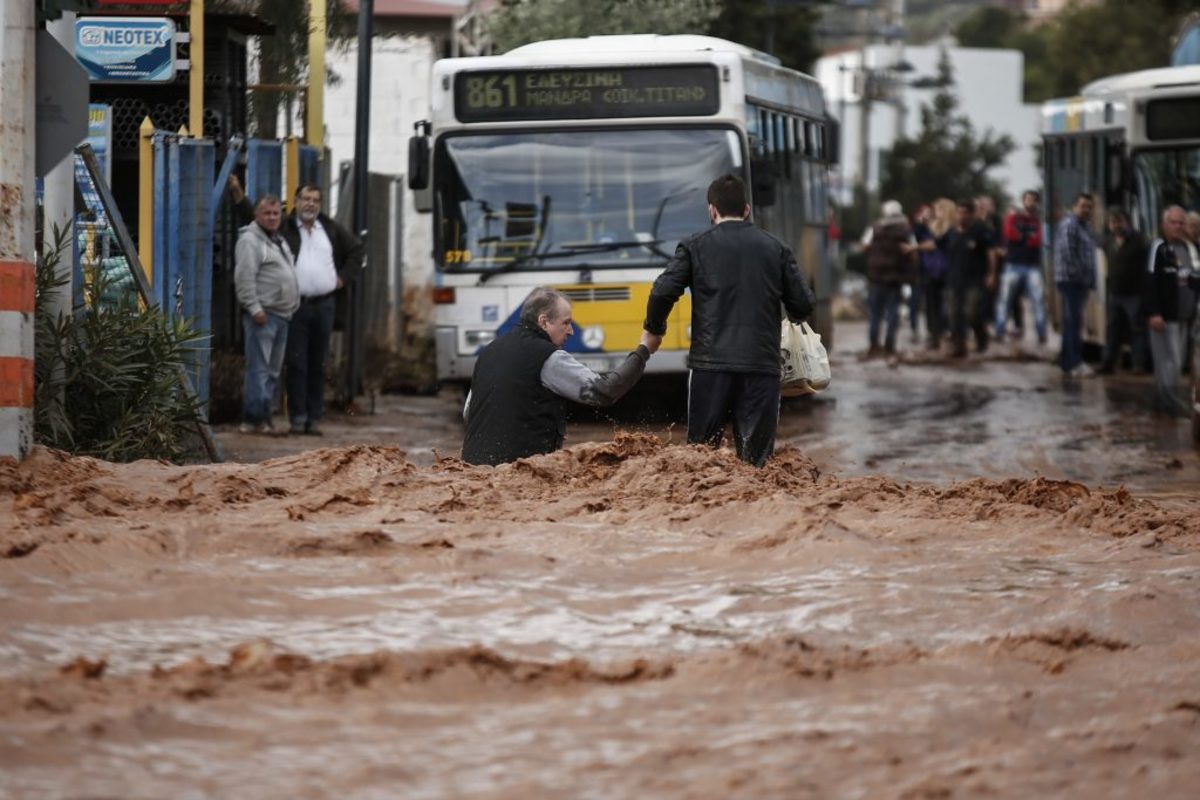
516,407
265,280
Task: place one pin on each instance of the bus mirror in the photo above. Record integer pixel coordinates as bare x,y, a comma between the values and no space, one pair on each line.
833,141
762,182
418,162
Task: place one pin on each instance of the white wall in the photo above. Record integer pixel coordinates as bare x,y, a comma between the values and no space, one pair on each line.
988,84
400,69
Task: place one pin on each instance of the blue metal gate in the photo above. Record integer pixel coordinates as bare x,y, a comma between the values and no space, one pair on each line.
264,169
184,170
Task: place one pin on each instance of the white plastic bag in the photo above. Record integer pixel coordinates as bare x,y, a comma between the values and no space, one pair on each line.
804,364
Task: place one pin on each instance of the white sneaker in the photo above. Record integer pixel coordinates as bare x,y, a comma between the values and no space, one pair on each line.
1083,371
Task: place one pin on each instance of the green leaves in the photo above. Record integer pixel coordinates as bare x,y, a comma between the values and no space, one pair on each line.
948,158
106,381
520,22
1081,44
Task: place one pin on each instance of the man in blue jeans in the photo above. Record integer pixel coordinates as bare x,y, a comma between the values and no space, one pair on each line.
890,247
1075,276
1022,272
265,281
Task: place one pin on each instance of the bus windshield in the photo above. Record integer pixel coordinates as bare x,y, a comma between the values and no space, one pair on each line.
574,199
1163,178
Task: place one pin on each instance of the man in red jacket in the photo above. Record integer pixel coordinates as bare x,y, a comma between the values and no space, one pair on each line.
1022,238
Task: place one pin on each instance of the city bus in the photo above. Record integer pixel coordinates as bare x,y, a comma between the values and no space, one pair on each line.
581,163
1132,140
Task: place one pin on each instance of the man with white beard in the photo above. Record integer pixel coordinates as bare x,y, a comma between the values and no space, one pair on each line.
327,258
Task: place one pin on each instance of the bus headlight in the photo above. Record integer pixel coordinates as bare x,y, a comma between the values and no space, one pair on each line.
592,337
480,338
689,332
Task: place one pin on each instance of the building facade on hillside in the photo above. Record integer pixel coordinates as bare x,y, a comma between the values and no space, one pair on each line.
987,82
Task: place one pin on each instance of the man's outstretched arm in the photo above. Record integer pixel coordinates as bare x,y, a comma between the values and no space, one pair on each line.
566,377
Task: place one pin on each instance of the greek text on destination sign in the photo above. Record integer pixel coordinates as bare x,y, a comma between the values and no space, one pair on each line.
584,93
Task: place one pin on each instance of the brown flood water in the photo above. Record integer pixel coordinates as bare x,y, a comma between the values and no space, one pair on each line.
955,580
624,619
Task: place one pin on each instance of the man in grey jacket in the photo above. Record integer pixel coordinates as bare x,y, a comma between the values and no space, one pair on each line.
265,279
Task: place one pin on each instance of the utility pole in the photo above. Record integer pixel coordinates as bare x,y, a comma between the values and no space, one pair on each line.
362,130
867,88
17,249
58,189
314,104
898,12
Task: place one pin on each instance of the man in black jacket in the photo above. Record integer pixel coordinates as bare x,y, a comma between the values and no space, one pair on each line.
515,408
1169,289
739,275
1126,250
327,258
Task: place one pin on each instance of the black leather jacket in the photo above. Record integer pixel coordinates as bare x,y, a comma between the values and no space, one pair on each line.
739,276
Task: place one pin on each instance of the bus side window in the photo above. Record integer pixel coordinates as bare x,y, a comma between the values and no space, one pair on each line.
1115,173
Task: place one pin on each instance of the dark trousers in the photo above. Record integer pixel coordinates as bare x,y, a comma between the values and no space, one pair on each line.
307,349
883,307
1125,324
1074,296
914,305
935,308
969,308
751,399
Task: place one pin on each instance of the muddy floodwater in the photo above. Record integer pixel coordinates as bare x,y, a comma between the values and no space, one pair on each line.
966,581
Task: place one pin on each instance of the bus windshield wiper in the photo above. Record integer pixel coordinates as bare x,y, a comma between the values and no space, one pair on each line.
603,247
522,260
567,251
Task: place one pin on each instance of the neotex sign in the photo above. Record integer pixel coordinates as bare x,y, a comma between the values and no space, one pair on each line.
121,49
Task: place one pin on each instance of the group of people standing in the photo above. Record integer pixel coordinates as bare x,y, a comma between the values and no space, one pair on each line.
288,272
965,269
1153,291
969,272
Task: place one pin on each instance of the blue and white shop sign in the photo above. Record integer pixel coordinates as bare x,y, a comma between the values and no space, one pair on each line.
123,49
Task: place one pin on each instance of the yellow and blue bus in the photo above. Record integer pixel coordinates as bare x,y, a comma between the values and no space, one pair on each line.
581,163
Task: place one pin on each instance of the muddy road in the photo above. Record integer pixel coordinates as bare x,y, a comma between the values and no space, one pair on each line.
951,582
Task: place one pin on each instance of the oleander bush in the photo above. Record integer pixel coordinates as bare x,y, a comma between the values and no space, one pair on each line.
107,375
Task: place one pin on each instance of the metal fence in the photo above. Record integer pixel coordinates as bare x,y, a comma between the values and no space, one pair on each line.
184,170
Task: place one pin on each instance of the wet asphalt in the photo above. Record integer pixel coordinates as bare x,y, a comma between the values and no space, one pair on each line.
1008,413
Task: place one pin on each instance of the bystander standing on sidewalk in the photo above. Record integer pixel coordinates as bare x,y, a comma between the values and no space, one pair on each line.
970,249
1127,251
265,280
1022,273
1075,276
1169,287
328,256
890,246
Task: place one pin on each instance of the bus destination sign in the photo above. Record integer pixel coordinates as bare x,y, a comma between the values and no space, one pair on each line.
585,93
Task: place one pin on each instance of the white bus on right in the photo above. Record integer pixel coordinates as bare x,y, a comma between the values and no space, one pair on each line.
1133,141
